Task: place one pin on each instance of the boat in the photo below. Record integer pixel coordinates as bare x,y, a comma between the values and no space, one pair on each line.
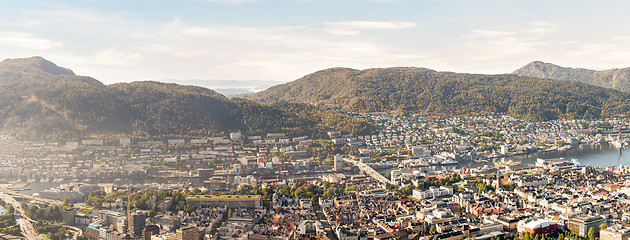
503,163
620,144
449,162
575,161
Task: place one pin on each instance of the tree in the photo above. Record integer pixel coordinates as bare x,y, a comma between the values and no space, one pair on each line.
432,229
66,203
154,211
592,233
603,226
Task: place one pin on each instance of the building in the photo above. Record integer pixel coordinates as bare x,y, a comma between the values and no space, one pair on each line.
67,216
396,177
235,136
149,231
92,142
505,149
137,223
432,192
187,233
230,201
615,232
309,227
539,226
125,141
165,236
417,151
338,163
510,223
582,223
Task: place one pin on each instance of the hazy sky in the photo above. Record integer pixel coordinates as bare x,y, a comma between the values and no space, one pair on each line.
283,40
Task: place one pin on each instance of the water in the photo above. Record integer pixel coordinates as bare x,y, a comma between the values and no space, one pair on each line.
36,187
597,155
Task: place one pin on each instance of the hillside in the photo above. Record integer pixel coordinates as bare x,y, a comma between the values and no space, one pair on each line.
618,79
428,91
39,100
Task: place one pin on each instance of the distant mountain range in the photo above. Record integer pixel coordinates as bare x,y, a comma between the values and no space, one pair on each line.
39,100
427,91
618,79
229,87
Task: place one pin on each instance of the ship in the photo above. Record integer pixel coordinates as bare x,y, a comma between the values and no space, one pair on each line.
449,162
503,163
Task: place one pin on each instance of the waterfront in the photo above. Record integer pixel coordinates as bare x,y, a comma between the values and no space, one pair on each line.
597,155
36,187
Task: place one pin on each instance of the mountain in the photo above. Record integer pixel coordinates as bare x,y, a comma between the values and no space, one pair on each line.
230,88
427,91
618,79
39,100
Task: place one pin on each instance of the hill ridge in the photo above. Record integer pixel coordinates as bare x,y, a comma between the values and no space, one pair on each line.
35,104
615,78
35,62
432,92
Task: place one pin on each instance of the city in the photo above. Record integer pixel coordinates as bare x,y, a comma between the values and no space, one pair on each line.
394,184
314,120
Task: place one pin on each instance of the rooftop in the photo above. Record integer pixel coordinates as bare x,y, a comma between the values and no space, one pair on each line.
225,197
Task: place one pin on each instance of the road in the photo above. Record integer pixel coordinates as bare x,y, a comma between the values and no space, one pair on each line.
25,224
75,231
37,199
368,170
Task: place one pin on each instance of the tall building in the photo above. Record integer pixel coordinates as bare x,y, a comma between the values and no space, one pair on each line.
187,233
338,163
137,224
67,216
581,224
149,231
396,176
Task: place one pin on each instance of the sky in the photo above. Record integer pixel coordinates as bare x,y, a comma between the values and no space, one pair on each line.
283,40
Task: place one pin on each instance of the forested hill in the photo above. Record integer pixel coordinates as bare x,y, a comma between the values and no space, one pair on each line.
428,91
618,79
39,100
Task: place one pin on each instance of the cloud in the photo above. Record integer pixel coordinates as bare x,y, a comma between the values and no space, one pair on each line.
355,27
488,34
26,40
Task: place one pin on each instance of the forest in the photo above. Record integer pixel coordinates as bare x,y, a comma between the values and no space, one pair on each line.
445,93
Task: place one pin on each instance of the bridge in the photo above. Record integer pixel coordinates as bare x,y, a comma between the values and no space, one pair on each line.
37,199
20,217
368,170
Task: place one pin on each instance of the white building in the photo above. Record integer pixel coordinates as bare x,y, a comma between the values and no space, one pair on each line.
125,141
432,192
505,149
247,180
235,136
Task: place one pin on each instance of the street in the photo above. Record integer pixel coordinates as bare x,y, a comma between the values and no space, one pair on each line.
25,225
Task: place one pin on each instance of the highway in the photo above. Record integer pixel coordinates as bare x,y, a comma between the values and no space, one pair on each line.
25,224
37,199
74,231
368,170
